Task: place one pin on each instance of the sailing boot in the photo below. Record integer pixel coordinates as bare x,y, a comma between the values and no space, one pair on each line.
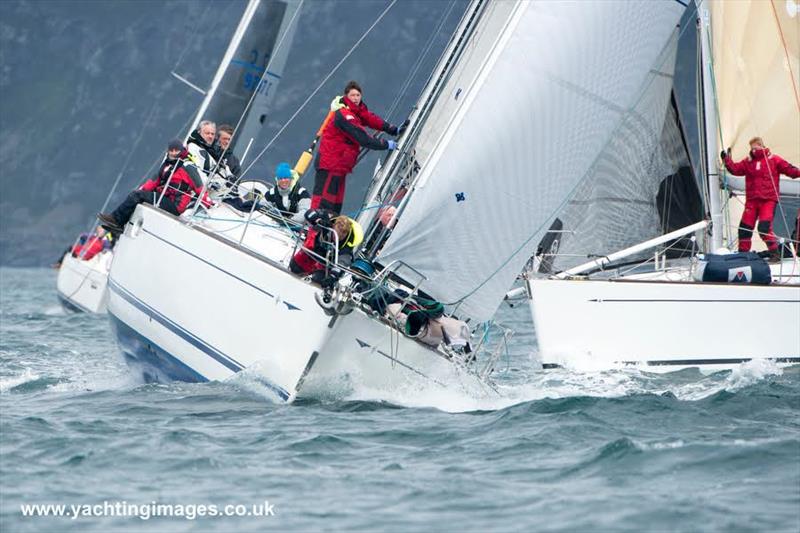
109,222
775,256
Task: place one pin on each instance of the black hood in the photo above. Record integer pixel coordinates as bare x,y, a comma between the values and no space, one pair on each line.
212,149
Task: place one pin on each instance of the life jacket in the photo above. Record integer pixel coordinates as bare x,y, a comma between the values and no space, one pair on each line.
88,247
296,194
761,171
338,150
185,182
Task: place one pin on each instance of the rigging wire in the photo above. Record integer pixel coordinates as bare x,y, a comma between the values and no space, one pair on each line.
316,90
213,172
418,63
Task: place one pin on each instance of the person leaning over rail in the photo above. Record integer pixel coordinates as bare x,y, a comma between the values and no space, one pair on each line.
181,180
342,139
762,171
349,235
287,195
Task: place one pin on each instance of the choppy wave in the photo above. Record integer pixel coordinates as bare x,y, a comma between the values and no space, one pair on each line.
693,450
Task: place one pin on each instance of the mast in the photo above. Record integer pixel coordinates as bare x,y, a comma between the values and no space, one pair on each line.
249,11
430,93
710,132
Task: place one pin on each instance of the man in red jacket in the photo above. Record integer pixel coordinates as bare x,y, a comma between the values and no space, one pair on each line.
762,171
89,246
181,179
341,142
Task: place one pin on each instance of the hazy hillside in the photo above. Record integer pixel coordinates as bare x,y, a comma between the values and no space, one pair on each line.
82,82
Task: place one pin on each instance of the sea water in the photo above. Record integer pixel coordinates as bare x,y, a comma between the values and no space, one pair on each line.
558,450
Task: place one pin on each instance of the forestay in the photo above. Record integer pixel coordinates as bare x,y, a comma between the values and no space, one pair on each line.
538,100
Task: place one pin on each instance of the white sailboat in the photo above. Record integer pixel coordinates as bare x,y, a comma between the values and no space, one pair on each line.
598,315
494,111
241,81
81,283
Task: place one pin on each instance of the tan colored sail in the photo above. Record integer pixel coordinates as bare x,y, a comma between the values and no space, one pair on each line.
756,50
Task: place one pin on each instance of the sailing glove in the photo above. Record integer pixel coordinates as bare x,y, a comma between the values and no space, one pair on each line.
725,154
391,145
318,218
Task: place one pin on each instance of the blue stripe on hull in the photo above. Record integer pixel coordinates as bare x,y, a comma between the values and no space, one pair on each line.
189,337
159,365
71,306
155,364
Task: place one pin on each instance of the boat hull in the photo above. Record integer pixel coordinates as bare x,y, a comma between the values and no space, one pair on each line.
82,285
665,325
190,305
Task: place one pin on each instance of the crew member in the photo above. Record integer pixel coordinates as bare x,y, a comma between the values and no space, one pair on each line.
348,234
341,142
180,178
762,171
287,195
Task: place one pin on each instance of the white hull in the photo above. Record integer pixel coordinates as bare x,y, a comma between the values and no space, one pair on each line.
82,285
187,304
665,325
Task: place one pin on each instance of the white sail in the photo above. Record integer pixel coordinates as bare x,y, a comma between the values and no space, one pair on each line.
546,88
618,204
756,50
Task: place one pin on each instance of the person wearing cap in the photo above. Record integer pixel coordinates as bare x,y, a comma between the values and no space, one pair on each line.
176,175
340,143
761,171
349,234
287,196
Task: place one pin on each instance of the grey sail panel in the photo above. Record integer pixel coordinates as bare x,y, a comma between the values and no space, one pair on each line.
531,123
626,196
247,74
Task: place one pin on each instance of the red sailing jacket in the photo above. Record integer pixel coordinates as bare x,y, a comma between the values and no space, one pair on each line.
182,187
343,137
92,247
761,171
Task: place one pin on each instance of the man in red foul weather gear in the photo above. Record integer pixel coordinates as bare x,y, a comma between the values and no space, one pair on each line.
177,174
762,171
341,141
89,246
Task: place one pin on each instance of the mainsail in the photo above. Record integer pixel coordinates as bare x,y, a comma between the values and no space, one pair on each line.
538,97
251,69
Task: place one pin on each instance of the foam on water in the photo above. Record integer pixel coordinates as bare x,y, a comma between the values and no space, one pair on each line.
9,382
718,449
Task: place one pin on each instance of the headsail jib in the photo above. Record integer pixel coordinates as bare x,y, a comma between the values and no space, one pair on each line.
514,132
